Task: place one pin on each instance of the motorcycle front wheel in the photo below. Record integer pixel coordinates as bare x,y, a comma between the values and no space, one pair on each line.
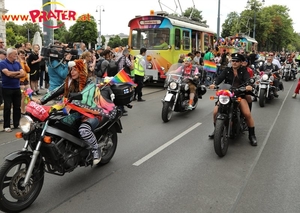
221,138
286,76
262,98
14,196
167,112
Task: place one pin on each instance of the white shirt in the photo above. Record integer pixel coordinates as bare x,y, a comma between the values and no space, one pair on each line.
276,62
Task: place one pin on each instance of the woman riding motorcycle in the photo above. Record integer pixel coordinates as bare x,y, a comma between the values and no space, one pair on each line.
236,76
75,82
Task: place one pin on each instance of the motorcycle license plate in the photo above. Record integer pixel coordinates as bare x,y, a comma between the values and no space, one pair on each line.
263,86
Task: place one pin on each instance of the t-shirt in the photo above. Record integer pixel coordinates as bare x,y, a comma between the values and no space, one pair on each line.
208,56
8,82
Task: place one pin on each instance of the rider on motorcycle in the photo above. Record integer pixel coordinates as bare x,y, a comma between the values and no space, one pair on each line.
268,65
190,72
75,82
236,76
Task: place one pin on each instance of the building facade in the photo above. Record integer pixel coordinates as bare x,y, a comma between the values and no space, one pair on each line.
2,23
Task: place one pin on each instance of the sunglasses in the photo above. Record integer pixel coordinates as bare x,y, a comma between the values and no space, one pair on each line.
1,42
235,61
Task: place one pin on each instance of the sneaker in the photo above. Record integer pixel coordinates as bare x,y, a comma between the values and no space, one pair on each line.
97,157
190,107
294,96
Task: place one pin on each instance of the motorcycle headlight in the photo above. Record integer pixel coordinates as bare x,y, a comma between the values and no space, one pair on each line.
272,78
265,77
173,85
26,124
149,66
223,99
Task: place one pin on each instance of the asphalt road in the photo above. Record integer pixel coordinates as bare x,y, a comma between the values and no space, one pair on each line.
172,167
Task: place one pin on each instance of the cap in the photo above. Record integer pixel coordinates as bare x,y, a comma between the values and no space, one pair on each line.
237,56
187,59
99,48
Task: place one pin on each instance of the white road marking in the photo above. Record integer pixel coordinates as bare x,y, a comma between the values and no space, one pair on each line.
162,147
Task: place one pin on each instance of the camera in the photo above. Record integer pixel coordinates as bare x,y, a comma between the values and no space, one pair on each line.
58,52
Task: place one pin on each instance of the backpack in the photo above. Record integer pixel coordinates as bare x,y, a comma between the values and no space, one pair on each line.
98,70
113,67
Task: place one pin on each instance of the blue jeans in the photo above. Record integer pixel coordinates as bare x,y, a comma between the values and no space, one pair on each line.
209,78
93,122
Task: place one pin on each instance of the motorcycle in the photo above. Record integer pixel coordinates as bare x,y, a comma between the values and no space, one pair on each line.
230,122
177,96
266,88
288,72
53,145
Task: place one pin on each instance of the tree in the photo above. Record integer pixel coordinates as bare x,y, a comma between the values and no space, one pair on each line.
196,15
229,27
28,30
84,30
115,42
61,33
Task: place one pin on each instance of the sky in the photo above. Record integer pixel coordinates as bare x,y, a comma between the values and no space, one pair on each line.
118,13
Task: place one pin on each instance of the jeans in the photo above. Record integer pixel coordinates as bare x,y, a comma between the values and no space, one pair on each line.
209,78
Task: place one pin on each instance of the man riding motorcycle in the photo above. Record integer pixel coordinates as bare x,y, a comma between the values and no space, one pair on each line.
190,73
268,65
75,82
236,76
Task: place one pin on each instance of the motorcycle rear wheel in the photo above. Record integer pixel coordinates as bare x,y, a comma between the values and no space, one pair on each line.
14,197
221,138
167,112
108,153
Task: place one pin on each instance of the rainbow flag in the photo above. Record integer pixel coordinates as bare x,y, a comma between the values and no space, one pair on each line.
122,77
210,66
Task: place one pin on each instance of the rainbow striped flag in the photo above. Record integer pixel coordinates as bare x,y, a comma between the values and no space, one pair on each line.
122,77
210,66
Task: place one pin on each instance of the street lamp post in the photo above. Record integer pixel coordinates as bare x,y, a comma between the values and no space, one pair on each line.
254,15
100,7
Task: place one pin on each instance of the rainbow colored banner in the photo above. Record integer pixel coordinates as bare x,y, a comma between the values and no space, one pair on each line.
210,66
122,77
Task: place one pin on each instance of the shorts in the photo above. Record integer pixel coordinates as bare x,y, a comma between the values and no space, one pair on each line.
24,83
34,75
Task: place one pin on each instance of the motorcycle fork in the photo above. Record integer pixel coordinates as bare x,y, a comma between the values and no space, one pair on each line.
175,101
35,155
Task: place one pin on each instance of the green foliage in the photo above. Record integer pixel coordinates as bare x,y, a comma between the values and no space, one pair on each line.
19,33
273,28
84,30
62,33
195,15
114,41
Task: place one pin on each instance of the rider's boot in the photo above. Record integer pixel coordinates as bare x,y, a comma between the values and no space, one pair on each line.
212,135
252,136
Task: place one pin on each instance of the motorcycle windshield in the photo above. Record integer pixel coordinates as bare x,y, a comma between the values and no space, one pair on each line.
224,86
174,73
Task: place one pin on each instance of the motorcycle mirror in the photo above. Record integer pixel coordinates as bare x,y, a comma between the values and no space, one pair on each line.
75,96
251,80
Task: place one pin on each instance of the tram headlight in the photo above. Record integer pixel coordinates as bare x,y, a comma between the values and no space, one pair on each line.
26,124
223,99
173,85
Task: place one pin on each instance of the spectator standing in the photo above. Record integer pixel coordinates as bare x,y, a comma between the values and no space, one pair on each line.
34,64
139,73
11,72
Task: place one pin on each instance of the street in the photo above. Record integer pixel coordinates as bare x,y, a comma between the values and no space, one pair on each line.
172,167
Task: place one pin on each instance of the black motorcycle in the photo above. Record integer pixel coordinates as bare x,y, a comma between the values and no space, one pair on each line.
177,96
230,122
53,145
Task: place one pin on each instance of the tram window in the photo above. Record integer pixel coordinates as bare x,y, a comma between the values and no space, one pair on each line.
206,42
186,40
150,38
177,39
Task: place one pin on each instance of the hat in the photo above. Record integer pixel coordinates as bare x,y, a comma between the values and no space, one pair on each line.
99,48
237,56
83,74
2,52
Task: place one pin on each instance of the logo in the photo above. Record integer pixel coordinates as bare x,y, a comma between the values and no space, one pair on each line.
54,14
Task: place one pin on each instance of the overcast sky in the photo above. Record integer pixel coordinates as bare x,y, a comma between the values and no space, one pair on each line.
117,13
